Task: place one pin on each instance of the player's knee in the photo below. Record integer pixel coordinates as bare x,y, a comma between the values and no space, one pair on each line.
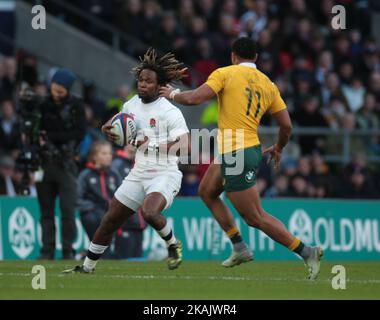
202,191
149,214
205,193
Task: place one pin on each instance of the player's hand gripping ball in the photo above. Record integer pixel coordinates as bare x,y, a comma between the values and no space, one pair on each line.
124,127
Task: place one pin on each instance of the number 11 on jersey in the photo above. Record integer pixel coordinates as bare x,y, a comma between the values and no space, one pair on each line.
249,90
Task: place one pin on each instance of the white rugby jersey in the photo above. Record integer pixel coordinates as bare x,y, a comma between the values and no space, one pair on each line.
161,122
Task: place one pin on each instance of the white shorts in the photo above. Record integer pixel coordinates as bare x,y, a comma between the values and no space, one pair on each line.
135,188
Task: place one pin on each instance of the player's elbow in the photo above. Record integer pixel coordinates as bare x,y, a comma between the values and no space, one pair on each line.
194,99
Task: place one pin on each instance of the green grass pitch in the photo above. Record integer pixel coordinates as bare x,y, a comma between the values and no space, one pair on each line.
192,280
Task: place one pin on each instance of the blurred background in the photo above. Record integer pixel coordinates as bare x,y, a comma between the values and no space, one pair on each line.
329,79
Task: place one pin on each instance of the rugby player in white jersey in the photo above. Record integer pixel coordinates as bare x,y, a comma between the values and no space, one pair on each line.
155,178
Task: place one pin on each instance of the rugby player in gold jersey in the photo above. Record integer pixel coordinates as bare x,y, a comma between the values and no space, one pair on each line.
244,95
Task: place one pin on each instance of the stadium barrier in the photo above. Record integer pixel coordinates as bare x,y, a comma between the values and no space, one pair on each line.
347,230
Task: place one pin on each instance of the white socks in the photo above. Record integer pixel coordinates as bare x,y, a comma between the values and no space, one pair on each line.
94,252
167,234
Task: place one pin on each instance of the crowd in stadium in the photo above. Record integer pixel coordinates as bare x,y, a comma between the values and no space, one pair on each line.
328,78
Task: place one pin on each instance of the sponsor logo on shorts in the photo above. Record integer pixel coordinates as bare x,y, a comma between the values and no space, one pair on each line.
249,176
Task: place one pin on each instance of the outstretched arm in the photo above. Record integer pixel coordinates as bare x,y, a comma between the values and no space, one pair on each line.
190,97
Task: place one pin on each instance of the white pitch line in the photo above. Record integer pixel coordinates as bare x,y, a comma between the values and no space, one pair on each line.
217,278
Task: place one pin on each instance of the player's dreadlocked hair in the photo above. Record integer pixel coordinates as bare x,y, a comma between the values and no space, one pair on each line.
167,67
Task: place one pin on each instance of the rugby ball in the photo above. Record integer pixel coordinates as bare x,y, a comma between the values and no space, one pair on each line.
124,127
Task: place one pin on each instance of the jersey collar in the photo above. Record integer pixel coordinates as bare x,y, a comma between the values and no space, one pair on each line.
248,64
151,103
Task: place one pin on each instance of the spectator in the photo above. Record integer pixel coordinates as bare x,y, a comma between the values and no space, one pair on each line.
96,185
169,36
151,17
266,64
320,170
289,167
186,13
304,168
332,89
301,68
317,45
223,38
204,63
303,87
366,115
197,30
335,144
124,160
299,187
10,131
265,42
324,66
8,80
354,94
280,187
248,29
334,112
62,127
310,116
346,72
374,85
322,190
207,9
7,184
129,17
342,48
27,68
359,186
92,134
255,19
370,61
91,98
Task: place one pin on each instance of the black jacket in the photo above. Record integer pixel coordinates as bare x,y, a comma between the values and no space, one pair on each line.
64,124
96,188
122,164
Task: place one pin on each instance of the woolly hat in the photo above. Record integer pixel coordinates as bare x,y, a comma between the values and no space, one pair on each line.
64,77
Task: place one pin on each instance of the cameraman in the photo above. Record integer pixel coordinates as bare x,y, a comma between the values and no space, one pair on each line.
62,128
